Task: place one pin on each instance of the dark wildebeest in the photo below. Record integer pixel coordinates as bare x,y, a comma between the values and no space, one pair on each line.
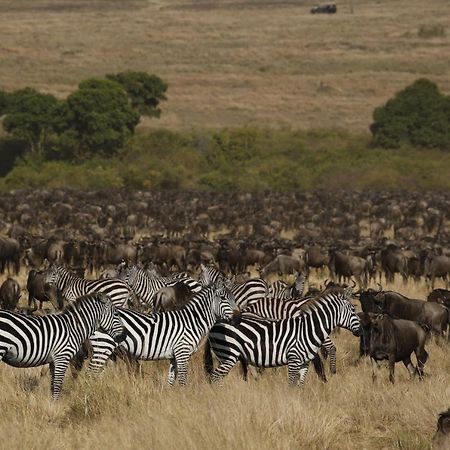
393,261
441,296
37,291
395,340
345,266
441,439
364,338
172,298
438,267
436,317
9,294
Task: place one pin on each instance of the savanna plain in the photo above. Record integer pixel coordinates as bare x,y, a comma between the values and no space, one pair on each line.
119,409
268,63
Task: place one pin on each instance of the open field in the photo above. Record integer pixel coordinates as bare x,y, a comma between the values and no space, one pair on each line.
119,410
230,63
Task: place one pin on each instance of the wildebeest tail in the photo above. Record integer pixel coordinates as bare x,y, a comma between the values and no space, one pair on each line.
208,363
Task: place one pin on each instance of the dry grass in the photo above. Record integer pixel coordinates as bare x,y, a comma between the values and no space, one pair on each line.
119,410
232,62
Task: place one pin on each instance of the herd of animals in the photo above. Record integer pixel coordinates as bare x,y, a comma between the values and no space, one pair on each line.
149,275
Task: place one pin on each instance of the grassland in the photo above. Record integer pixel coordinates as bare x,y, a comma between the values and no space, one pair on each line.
121,411
229,63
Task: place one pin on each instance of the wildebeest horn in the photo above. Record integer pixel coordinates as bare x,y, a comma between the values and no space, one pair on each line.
325,282
381,287
354,284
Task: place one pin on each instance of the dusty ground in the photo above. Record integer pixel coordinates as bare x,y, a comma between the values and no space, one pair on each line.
233,62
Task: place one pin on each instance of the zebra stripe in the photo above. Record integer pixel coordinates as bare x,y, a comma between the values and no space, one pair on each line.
73,286
29,341
173,335
276,309
293,342
244,293
283,291
146,284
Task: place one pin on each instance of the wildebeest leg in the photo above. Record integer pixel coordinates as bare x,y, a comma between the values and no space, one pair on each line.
244,369
422,357
392,368
375,368
409,365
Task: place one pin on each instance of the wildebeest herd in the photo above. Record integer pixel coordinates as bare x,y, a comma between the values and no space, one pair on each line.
149,275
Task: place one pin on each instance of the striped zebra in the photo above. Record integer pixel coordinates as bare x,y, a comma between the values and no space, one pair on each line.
275,309
30,341
72,286
283,291
244,293
173,335
146,284
293,342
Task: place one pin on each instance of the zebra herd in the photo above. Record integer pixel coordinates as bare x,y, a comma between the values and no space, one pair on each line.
249,322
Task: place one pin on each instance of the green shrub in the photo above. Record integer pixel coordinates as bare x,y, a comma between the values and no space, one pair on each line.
419,115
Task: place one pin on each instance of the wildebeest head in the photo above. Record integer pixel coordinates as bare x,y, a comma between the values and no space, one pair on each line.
382,337
368,300
441,439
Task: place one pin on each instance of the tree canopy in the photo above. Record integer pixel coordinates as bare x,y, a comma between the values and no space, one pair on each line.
145,91
418,115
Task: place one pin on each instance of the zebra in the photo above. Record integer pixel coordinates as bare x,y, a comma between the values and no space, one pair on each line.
73,286
146,284
30,341
283,291
275,309
294,341
244,293
173,335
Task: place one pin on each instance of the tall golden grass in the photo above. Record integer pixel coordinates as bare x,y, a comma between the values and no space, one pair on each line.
122,410
228,63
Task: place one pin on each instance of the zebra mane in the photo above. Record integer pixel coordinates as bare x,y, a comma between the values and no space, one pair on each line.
78,303
322,298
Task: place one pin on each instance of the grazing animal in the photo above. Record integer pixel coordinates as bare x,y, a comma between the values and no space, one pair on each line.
172,298
9,294
38,291
441,296
435,316
30,341
293,342
283,291
244,293
73,286
146,284
275,309
173,335
395,340
284,265
441,439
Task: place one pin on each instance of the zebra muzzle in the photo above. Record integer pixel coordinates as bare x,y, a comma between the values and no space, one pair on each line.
121,337
237,315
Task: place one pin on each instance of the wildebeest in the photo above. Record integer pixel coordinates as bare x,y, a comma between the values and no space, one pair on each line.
441,296
441,439
37,291
345,266
395,340
438,267
172,298
328,8
9,294
283,265
435,316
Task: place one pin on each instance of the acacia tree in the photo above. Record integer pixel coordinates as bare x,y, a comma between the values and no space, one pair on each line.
418,115
144,90
31,116
97,118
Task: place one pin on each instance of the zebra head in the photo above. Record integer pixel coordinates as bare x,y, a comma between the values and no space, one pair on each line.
51,276
109,321
224,305
347,315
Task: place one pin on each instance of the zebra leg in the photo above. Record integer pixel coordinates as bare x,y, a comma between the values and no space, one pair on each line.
293,371
57,371
173,370
223,369
303,371
181,361
331,351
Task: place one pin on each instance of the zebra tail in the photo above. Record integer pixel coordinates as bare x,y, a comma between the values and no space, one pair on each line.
208,363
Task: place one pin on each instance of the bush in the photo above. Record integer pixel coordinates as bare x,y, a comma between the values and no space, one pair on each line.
431,31
418,115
